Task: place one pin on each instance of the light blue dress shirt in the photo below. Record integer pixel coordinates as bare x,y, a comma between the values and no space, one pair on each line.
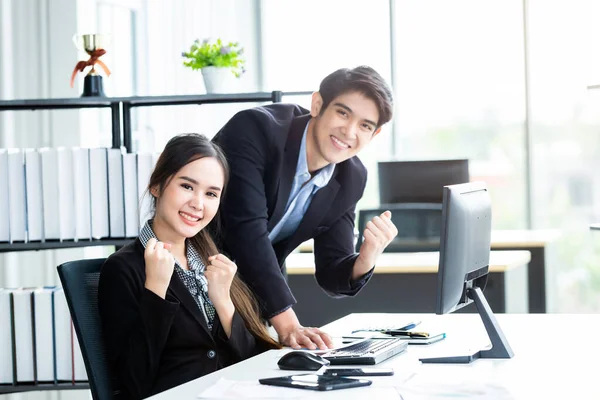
301,195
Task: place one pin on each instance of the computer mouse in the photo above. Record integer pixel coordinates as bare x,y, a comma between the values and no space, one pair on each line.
301,360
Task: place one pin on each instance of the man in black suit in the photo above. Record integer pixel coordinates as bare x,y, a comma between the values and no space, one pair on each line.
295,176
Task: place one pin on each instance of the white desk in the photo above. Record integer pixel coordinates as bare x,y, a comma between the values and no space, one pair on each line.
545,366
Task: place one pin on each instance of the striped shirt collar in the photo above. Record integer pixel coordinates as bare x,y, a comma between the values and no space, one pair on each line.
193,257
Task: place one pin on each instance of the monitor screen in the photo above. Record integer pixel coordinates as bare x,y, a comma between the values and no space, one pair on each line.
464,244
464,264
419,181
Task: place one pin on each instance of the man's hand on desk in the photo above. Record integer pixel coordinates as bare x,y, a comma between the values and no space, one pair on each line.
378,234
292,334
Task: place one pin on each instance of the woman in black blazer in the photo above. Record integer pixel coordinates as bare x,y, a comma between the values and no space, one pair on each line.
173,308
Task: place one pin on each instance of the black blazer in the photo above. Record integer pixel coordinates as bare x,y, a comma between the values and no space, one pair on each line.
262,147
154,344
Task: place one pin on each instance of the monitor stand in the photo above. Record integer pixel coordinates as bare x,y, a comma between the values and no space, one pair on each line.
500,347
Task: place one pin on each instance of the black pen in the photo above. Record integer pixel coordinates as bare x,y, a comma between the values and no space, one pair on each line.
396,332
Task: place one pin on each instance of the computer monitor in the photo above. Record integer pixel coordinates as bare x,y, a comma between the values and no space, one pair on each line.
419,181
464,263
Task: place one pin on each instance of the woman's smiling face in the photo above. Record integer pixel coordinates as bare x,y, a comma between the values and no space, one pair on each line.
190,200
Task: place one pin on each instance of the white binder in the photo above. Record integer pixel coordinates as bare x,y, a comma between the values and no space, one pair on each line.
6,357
66,194
81,181
99,193
16,195
130,193
33,186
116,199
4,213
22,313
49,158
62,334
44,328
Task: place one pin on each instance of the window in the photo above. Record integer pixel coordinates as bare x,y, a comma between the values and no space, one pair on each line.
460,93
566,145
302,42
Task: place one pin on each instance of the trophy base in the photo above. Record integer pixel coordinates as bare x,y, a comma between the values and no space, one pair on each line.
92,86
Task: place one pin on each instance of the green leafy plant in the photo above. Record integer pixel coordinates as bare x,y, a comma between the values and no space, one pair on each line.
215,54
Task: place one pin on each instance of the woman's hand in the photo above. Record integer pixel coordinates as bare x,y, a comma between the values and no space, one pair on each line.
159,266
219,274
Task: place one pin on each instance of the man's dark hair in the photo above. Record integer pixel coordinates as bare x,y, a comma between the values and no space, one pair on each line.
364,80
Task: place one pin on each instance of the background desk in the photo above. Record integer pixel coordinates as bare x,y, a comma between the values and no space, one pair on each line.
404,282
534,241
544,367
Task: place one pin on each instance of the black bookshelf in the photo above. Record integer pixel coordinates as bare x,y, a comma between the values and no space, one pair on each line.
121,107
198,99
72,103
7,389
124,105
216,98
55,244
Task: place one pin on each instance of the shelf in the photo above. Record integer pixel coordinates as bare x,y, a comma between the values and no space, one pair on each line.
128,103
150,101
83,102
49,245
72,102
215,98
6,389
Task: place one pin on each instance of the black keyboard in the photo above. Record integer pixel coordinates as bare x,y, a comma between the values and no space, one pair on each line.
367,352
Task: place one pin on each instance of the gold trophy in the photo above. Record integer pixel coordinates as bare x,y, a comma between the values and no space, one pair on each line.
95,46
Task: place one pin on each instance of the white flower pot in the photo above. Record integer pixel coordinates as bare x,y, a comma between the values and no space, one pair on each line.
218,80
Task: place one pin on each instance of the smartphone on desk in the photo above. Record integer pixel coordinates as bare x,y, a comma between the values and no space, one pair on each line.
359,371
315,382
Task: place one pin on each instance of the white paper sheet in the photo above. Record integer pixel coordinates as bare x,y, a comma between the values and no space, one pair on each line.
453,383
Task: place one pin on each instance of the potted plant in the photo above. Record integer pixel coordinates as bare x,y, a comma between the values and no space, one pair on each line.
218,62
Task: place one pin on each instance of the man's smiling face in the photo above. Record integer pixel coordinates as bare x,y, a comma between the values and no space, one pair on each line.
341,130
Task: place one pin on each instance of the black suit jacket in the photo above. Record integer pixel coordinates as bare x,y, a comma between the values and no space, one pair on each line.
154,344
262,147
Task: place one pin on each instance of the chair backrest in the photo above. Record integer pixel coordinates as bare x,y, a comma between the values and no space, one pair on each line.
80,284
418,224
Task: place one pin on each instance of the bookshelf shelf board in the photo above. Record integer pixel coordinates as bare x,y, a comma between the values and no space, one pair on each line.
49,104
55,244
6,389
150,101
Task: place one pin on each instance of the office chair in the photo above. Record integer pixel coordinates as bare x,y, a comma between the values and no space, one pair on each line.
80,284
419,226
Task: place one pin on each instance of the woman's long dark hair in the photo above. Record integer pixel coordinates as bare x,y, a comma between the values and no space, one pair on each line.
180,151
